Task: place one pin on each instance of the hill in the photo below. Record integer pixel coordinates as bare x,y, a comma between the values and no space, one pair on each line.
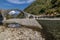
44,7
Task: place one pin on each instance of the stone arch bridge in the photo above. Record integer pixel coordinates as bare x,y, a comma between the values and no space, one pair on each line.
27,20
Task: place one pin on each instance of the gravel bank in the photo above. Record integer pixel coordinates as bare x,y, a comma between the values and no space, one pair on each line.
19,34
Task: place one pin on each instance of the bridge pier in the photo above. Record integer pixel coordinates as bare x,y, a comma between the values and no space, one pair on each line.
33,17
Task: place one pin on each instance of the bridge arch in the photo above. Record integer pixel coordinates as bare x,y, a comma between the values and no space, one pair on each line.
31,16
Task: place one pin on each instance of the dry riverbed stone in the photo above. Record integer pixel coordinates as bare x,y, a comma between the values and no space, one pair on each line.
19,34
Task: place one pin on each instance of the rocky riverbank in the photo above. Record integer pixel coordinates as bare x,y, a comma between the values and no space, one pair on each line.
22,33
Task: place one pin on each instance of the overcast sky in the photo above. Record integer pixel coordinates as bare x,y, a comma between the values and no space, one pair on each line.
11,4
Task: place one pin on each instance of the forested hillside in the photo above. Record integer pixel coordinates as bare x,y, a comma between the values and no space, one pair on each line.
44,7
